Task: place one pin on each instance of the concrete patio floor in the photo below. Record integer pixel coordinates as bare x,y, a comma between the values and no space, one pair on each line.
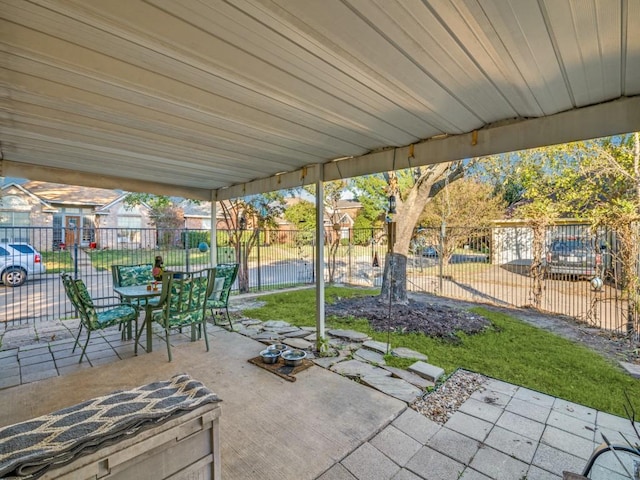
323,426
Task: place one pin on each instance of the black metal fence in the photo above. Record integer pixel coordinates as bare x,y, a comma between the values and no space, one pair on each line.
489,265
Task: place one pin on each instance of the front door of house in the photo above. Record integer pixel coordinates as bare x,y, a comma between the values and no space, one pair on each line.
72,230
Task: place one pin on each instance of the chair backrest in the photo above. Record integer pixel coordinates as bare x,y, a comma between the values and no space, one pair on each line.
71,291
226,274
184,295
130,275
88,312
81,298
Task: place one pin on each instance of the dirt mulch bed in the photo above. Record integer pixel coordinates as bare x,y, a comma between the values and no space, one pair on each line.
431,319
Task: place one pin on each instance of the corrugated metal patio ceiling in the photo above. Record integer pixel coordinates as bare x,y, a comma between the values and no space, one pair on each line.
190,97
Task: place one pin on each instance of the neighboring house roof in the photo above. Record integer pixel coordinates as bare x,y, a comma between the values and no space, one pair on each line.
106,209
57,193
348,204
197,210
45,205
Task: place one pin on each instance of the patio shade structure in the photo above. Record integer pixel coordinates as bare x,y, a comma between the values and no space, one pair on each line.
219,99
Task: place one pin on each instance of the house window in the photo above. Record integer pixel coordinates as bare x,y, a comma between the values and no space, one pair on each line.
88,229
14,213
129,225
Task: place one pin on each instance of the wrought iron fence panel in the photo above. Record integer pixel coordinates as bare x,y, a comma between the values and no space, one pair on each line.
487,265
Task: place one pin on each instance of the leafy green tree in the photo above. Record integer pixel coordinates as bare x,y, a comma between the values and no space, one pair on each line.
302,215
413,189
601,182
462,209
528,180
333,193
364,229
165,214
245,218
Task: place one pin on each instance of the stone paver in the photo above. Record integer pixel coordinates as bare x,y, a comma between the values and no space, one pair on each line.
298,333
455,445
337,472
275,324
38,367
492,397
470,426
524,426
536,398
406,475
503,387
39,375
536,473
10,381
267,336
498,465
581,412
248,322
407,376
351,335
471,474
572,424
367,462
326,362
417,426
484,411
379,347
394,387
529,410
355,368
426,370
513,444
611,422
300,343
402,352
370,356
33,352
433,465
556,461
396,445
567,442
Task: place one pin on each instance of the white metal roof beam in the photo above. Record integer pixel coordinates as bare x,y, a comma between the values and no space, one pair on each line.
612,118
10,168
619,116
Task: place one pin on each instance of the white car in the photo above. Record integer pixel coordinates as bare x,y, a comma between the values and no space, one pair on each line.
18,261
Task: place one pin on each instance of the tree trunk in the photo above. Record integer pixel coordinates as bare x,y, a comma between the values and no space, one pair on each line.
333,251
537,266
431,181
243,269
394,280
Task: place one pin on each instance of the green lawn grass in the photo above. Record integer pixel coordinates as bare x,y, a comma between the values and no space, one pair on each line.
57,262
510,350
103,259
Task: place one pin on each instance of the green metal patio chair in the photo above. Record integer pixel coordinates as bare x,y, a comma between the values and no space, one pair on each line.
97,317
183,303
226,274
130,275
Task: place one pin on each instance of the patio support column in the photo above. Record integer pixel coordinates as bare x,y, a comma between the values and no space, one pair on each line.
214,229
319,267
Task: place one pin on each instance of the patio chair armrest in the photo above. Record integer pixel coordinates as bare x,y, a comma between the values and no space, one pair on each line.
111,297
117,304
